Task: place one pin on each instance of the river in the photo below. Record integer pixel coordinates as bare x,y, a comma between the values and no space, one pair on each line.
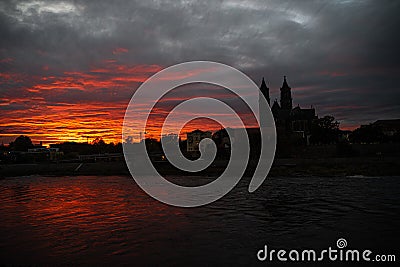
95,220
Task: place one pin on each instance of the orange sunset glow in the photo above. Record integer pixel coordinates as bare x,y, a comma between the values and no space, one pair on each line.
84,105
73,106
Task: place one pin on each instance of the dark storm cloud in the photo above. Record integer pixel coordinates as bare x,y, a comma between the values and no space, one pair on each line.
335,53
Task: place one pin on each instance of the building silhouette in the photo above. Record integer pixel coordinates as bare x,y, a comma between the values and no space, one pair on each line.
194,138
292,123
388,127
288,120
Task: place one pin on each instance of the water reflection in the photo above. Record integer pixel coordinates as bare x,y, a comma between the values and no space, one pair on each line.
109,220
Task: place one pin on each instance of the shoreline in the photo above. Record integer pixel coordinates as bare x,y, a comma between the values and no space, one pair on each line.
296,167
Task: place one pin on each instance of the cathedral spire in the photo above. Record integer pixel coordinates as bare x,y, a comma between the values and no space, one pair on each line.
286,95
285,82
265,91
263,107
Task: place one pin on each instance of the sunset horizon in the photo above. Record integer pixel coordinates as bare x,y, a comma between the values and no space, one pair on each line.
73,122
64,75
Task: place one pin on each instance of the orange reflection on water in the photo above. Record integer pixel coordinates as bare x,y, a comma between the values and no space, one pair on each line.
83,217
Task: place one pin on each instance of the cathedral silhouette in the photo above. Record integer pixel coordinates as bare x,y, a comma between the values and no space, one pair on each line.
289,120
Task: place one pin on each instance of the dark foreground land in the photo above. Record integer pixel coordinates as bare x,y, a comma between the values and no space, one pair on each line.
366,166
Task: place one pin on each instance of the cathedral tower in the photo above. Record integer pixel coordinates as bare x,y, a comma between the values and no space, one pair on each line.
286,96
265,91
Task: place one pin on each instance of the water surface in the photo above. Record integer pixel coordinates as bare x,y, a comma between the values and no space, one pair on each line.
96,220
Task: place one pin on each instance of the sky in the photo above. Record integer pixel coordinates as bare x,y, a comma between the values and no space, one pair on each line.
69,68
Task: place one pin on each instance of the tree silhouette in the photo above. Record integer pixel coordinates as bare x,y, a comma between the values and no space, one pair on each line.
21,143
98,141
99,145
367,134
324,130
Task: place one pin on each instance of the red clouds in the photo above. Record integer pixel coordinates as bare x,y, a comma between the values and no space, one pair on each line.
69,105
332,73
6,60
120,50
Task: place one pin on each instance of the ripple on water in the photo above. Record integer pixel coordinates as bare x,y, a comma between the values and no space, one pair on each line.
103,220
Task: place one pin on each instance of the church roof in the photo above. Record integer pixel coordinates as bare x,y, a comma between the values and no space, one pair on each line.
303,113
275,106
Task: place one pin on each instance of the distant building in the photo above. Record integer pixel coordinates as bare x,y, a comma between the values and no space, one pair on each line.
388,127
40,153
194,138
42,149
224,142
170,139
170,142
288,119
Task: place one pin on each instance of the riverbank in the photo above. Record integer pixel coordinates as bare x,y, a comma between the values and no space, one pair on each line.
367,166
